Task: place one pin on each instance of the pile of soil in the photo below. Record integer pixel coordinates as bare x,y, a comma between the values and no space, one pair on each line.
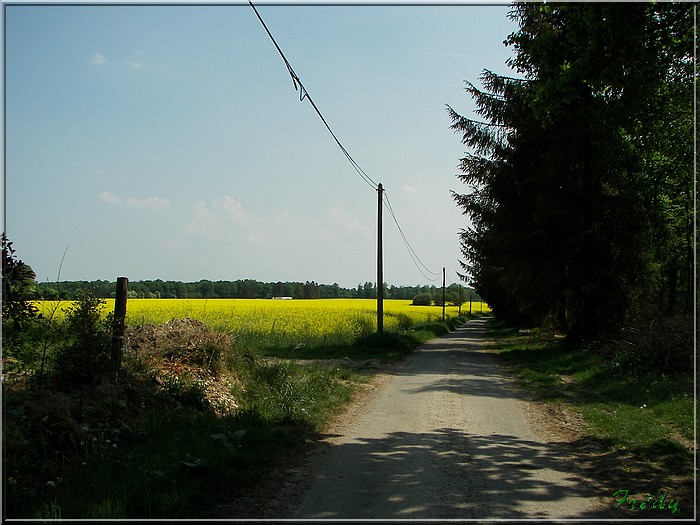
184,355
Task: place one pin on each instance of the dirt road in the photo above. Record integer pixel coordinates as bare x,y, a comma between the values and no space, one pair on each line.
447,435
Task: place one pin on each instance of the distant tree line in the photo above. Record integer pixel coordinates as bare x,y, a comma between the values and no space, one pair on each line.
245,289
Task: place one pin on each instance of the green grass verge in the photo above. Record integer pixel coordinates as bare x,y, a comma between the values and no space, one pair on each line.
647,413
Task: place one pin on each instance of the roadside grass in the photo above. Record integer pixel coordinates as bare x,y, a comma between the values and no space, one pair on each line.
648,414
179,469
390,346
154,454
155,445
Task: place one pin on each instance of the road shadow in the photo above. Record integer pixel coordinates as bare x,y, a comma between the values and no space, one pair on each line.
462,363
450,474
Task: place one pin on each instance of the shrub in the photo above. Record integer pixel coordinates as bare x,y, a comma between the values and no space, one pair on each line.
17,312
423,299
403,321
87,353
663,347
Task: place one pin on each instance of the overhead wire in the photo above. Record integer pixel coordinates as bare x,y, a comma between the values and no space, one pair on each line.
304,94
414,257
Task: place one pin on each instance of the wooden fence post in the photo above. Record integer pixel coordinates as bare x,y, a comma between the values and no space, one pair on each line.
118,327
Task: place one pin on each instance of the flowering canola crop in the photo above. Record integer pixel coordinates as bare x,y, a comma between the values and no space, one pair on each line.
280,323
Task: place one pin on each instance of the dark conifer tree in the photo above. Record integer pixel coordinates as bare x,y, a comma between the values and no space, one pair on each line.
564,218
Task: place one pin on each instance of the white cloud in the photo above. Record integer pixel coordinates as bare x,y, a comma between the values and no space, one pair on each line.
109,197
150,203
291,229
409,190
289,221
98,59
232,208
349,223
257,238
202,221
225,219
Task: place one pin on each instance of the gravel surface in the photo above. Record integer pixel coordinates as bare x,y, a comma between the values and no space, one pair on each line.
445,435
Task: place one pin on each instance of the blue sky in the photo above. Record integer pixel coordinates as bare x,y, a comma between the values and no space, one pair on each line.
168,142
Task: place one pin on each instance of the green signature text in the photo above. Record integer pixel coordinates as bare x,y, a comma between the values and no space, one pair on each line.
647,504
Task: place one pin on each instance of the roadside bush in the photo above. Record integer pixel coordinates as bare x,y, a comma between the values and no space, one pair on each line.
18,314
403,321
86,354
423,299
665,346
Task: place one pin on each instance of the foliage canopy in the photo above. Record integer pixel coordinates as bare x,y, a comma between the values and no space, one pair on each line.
580,175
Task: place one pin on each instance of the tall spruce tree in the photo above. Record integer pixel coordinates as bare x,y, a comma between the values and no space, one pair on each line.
567,188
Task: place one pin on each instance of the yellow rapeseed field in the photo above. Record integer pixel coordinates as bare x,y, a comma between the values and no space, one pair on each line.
274,322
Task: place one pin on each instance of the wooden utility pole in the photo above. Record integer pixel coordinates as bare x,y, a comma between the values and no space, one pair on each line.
380,264
118,326
443,293
459,300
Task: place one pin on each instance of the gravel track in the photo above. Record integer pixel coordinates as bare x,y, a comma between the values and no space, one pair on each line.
446,435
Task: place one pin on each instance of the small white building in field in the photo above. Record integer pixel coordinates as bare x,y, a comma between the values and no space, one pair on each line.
283,298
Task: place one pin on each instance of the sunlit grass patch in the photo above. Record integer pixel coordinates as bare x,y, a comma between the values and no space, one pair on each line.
629,426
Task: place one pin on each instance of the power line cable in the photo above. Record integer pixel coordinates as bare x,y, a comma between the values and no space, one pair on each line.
304,94
416,260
